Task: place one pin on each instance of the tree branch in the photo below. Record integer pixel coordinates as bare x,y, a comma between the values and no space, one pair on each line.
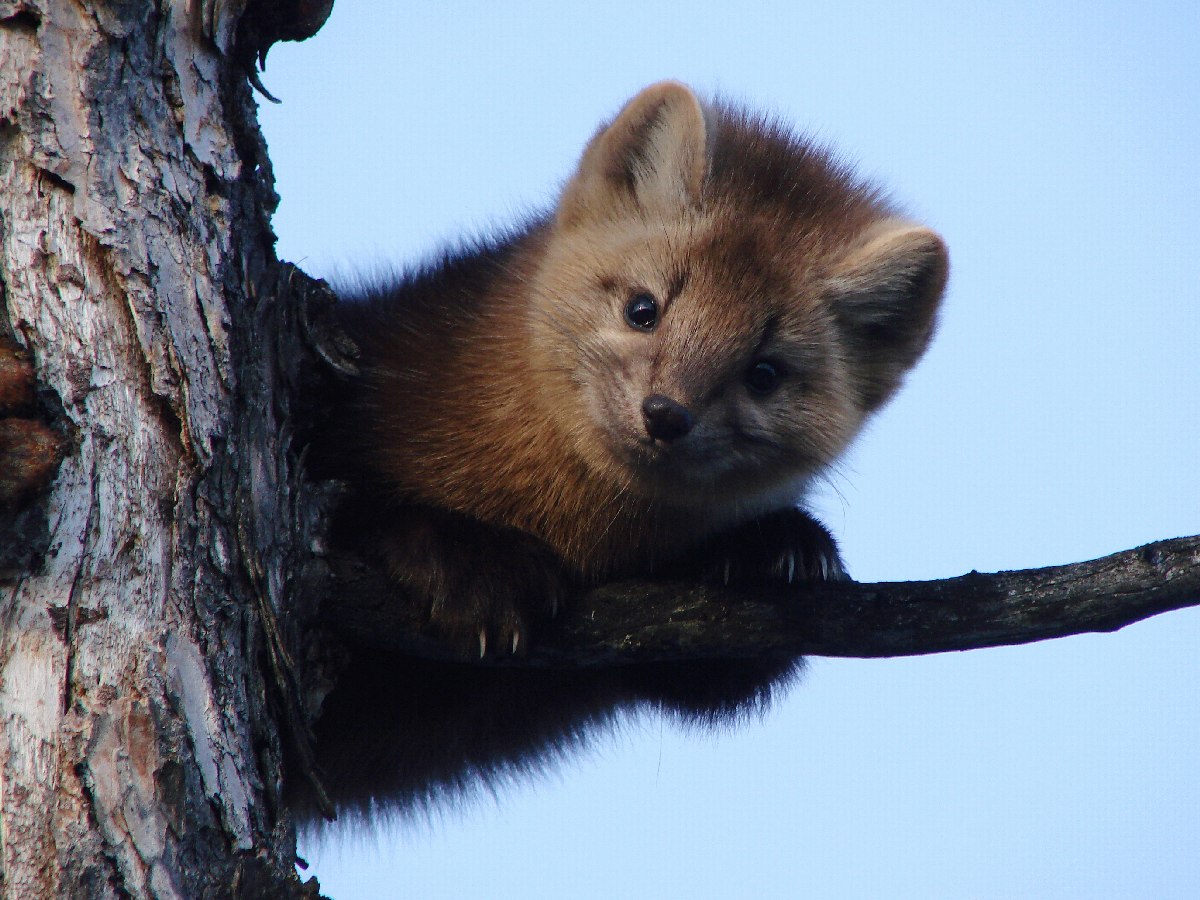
636,621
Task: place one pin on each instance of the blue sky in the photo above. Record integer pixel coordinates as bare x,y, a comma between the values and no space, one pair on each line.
1056,418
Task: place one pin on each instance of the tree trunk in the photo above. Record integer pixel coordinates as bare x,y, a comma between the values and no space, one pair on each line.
138,754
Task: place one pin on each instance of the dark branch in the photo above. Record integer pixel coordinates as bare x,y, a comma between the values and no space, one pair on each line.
644,621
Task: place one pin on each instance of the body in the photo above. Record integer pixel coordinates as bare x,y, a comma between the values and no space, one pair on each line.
643,382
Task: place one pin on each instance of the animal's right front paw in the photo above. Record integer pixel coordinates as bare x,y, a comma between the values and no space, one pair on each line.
30,450
485,588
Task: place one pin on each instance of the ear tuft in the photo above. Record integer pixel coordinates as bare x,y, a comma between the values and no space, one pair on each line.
652,158
885,295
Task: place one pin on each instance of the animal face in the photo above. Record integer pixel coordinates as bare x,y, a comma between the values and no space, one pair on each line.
716,340
701,355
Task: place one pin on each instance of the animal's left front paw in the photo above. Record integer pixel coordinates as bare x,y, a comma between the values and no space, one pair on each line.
781,548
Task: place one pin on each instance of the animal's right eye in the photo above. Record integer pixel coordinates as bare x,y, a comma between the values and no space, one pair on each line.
641,312
763,377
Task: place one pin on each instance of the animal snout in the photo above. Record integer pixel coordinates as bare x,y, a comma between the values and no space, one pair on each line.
666,420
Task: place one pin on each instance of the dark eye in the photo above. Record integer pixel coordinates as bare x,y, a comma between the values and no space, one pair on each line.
763,377
641,312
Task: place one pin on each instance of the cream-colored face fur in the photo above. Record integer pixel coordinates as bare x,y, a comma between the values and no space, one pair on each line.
714,326
836,314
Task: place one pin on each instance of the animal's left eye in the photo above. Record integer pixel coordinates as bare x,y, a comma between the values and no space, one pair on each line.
641,312
763,377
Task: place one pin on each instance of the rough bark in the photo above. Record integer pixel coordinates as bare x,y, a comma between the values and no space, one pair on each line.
139,755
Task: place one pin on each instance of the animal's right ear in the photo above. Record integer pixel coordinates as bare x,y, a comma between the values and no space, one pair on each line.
651,159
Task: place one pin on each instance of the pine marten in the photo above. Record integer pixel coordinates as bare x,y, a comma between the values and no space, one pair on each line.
641,383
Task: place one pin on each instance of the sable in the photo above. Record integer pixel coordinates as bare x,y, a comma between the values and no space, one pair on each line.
640,384
648,377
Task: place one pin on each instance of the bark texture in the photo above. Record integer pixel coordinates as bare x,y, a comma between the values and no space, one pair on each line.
138,751
636,622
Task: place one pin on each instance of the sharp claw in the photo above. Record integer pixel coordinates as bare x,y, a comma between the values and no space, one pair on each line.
791,566
837,572
482,643
516,642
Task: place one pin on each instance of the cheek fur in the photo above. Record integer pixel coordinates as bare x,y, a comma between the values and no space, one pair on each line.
614,372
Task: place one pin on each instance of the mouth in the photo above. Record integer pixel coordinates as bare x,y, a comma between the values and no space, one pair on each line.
660,463
651,464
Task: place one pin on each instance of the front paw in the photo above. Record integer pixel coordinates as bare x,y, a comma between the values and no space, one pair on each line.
483,587
780,548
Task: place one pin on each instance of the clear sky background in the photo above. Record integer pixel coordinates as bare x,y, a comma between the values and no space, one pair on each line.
1056,418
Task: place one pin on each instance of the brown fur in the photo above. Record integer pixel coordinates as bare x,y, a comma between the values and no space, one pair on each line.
505,456
511,393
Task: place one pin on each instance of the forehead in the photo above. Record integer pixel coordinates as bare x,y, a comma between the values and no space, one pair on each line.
736,272
750,259
751,255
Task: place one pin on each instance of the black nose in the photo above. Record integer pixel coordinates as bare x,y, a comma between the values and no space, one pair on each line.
666,420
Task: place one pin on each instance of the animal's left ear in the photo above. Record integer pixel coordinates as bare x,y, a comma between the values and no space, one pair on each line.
885,295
